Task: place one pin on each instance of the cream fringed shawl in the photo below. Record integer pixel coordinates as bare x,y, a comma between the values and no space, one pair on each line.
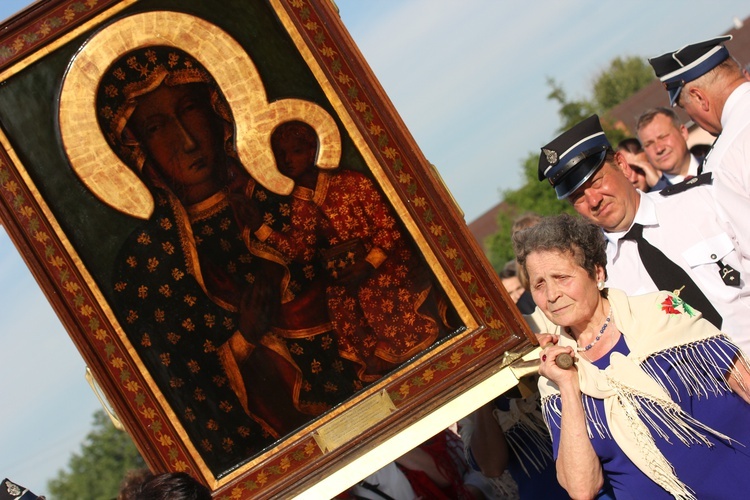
653,324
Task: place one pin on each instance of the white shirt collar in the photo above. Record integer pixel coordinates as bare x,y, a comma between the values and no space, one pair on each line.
645,216
692,170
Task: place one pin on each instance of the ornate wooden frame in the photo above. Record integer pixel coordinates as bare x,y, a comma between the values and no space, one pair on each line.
43,213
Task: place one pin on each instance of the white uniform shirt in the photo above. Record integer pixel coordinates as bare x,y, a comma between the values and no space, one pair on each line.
729,162
684,227
730,156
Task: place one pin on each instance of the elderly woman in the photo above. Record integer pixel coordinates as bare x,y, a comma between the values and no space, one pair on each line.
656,403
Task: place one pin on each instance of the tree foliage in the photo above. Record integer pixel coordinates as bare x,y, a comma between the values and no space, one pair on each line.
533,196
613,85
96,473
623,78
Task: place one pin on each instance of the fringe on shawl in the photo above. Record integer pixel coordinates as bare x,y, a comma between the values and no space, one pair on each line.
503,487
700,367
527,435
595,421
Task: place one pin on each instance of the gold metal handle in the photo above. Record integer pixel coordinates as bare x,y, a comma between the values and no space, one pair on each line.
102,400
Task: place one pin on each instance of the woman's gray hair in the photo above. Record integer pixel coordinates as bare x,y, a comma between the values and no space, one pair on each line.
567,234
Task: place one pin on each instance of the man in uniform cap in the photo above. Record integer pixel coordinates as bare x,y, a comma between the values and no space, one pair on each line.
672,237
704,80
12,491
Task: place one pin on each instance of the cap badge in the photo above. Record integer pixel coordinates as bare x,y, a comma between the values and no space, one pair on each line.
551,156
13,489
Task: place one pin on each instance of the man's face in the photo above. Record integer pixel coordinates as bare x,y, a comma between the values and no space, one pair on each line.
607,199
665,145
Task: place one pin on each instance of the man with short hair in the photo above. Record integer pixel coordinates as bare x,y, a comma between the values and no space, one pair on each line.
664,140
704,80
679,225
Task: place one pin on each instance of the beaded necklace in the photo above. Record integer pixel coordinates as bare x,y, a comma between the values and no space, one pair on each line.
601,332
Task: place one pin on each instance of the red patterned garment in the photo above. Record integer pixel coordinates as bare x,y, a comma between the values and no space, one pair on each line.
380,295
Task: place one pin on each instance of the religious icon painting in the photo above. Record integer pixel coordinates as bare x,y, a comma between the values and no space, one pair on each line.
265,276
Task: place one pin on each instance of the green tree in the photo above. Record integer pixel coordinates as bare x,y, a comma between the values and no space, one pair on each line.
622,78
570,112
613,85
96,473
533,196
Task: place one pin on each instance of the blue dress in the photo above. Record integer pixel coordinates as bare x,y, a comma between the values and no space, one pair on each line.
719,471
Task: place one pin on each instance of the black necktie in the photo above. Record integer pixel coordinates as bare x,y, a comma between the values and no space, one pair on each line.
669,276
703,161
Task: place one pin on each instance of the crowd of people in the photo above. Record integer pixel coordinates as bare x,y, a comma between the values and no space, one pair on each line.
647,291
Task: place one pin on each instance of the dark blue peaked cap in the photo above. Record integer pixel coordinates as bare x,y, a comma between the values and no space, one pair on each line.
12,491
573,157
684,65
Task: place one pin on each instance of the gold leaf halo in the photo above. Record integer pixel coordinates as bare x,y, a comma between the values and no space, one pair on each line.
113,182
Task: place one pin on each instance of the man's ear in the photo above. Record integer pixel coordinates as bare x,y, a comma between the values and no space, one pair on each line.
684,132
622,164
700,97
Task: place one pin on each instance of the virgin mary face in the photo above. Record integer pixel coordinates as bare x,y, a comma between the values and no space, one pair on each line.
180,133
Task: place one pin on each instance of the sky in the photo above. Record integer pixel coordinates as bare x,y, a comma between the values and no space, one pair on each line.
468,78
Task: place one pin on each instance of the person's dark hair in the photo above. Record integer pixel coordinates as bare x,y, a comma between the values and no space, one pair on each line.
631,145
700,150
143,485
567,234
294,129
648,116
509,270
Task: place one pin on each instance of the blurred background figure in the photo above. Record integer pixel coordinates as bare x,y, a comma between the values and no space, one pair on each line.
436,469
141,484
664,139
700,151
508,442
525,220
643,175
520,296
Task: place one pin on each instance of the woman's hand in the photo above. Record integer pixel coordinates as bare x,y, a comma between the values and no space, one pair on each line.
549,368
652,175
546,339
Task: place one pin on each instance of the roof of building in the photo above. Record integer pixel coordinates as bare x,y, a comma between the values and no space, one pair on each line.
626,113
